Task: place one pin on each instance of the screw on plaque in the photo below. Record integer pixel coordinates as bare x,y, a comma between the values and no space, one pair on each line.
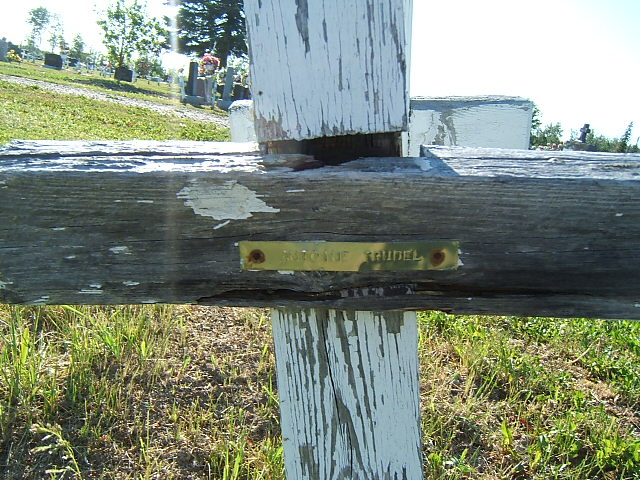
257,256
437,257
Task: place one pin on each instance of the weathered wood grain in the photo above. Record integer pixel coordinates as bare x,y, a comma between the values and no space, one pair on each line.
349,399
328,67
545,233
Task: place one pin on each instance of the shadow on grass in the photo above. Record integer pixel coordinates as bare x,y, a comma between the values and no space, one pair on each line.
116,86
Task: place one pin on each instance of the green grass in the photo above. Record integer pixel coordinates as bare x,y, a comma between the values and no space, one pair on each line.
186,392
140,89
130,392
29,112
530,398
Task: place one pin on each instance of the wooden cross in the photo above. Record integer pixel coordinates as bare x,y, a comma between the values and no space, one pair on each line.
343,252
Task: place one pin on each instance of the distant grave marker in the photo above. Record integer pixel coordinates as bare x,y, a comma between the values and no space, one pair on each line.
52,60
4,47
124,74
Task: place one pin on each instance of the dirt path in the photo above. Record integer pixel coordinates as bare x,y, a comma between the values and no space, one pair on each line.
162,108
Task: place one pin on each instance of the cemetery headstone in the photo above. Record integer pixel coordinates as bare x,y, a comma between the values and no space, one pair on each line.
124,74
4,48
52,60
478,121
241,121
226,101
193,79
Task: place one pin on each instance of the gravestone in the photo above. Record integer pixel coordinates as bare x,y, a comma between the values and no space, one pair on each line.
4,47
124,74
226,101
241,121
52,60
479,121
193,79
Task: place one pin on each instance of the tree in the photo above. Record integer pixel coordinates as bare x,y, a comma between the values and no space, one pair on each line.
57,34
38,18
77,48
601,143
547,136
214,25
128,30
623,146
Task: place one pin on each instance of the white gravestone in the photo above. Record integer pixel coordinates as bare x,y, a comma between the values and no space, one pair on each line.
489,121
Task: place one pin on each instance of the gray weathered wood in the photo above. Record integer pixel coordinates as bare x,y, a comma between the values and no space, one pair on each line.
545,233
328,67
349,399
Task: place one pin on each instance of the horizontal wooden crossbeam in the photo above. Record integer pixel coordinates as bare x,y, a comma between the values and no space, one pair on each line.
539,233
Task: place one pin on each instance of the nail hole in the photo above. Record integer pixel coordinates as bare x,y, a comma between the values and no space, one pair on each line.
437,257
257,256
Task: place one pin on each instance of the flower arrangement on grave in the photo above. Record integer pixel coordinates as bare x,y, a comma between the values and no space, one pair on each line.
209,64
12,56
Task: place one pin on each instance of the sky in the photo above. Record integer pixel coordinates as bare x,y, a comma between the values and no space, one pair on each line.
578,60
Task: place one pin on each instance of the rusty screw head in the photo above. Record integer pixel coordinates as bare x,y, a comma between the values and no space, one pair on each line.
437,257
257,256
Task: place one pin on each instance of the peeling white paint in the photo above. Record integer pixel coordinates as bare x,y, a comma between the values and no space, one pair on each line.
70,257
3,285
619,214
285,272
145,201
90,292
301,190
120,250
95,285
130,284
229,201
223,224
637,305
150,301
59,229
117,201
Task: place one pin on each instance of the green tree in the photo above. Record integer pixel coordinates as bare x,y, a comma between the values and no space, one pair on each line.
128,30
56,39
77,48
549,135
38,18
601,143
623,146
214,25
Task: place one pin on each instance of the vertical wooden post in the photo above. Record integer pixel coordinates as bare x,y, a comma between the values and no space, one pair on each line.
349,394
329,79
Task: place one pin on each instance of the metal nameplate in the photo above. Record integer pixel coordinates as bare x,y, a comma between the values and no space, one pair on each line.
349,256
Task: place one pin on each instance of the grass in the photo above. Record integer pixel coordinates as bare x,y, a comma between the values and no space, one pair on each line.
172,392
133,392
141,89
189,392
29,112
530,398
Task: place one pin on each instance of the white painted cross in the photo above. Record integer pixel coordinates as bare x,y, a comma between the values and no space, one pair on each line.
347,380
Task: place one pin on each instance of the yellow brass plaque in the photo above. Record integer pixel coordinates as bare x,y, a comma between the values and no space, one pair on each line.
349,256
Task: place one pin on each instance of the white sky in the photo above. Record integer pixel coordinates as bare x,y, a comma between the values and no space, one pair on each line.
579,60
